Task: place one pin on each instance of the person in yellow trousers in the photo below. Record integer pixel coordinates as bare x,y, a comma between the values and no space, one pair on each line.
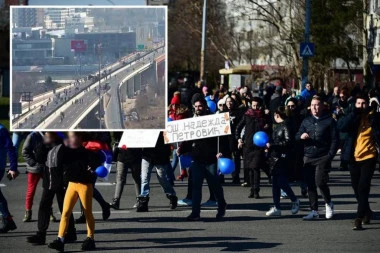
79,166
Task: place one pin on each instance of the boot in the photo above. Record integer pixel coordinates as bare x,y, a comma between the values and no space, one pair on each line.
182,175
28,216
8,225
52,217
173,201
115,204
37,239
358,224
81,219
106,212
142,205
368,217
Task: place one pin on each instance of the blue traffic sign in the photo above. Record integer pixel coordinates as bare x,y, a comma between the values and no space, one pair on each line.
307,49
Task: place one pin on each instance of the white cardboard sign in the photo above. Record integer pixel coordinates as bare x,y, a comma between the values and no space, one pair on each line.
139,138
197,128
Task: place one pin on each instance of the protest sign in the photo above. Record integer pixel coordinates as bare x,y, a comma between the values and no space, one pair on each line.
197,128
139,139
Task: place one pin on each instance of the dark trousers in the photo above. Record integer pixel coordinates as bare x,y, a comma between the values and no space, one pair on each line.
190,188
361,176
255,177
199,173
280,181
121,177
317,175
237,161
45,209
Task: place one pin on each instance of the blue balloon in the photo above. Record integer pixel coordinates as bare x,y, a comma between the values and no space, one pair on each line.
208,98
212,106
260,139
170,119
185,161
226,166
101,171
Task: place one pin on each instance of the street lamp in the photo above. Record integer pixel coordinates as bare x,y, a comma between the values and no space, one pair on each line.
204,17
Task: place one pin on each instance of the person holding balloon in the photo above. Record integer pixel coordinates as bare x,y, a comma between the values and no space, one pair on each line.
253,121
279,152
79,169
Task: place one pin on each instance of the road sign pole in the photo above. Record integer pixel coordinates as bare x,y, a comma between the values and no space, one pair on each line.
203,49
305,59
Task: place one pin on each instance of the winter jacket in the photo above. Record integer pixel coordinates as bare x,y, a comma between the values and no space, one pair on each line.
158,155
79,164
53,173
28,152
323,136
6,146
281,146
253,121
350,125
181,113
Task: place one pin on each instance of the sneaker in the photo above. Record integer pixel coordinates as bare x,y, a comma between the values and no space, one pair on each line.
8,225
37,239
173,201
358,224
88,244
193,217
28,216
136,204
312,215
283,195
245,184
185,202
329,210
295,206
210,203
273,212
57,244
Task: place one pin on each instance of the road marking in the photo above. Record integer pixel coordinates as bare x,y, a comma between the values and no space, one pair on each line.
214,210
103,184
2,185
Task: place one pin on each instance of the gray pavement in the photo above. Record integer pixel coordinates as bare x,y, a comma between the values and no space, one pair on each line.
245,227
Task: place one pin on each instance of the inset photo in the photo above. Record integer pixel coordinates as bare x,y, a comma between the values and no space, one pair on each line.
88,67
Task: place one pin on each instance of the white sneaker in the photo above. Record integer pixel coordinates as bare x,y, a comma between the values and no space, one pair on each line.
329,210
312,215
273,212
295,206
185,202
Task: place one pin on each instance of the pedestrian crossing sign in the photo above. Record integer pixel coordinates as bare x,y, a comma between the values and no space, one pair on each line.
306,49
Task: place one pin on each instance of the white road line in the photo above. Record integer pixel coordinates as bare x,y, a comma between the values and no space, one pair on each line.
2,185
214,210
103,184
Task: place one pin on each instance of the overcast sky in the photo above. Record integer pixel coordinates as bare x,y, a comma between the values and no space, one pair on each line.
86,2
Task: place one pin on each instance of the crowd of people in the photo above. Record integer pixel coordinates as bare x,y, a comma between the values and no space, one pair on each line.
306,131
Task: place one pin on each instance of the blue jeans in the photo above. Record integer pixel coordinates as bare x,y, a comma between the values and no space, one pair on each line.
162,170
17,139
280,181
174,164
198,173
3,202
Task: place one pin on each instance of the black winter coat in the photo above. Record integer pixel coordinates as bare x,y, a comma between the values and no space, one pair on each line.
323,136
158,155
252,121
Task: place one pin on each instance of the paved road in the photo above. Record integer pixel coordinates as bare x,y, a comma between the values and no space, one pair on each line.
245,227
113,118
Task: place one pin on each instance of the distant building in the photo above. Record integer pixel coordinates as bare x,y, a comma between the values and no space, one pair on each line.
32,52
28,17
79,23
55,18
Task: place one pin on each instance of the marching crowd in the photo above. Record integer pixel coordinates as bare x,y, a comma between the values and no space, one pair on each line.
305,131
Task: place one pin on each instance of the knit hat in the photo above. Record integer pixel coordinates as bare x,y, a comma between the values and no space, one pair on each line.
175,100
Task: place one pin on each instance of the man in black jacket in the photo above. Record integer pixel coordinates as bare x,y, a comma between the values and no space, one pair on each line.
159,158
362,126
320,137
204,153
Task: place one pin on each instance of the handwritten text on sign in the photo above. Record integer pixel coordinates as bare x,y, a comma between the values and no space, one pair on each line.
198,128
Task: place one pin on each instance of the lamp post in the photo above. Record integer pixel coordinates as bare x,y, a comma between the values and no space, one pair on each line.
202,64
305,60
99,49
